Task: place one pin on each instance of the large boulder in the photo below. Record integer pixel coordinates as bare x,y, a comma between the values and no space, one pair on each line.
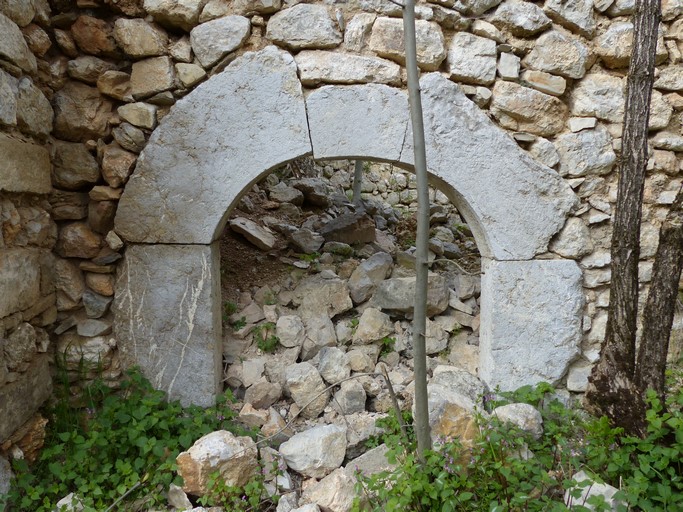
235,458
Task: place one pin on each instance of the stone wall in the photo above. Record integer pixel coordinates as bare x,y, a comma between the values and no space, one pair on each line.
552,74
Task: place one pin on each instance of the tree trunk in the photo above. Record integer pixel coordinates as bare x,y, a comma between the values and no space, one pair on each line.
424,440
612,390
661,301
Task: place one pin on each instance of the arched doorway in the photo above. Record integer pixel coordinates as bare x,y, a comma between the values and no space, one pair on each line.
254,117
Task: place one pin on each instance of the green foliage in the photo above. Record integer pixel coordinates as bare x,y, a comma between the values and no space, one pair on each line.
386,345
266,340
495,473
238,324
311,258
122,441
251,497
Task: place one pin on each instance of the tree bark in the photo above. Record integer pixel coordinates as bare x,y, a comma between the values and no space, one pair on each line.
612,390
661,301
424,440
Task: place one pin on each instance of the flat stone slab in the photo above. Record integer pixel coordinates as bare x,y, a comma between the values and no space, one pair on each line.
24,167
202,156
531,321
489,175
22,398
168,320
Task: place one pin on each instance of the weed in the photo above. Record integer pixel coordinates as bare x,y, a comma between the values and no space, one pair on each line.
387,345
239,324
266,340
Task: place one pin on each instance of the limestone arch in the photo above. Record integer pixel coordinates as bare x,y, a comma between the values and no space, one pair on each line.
255,116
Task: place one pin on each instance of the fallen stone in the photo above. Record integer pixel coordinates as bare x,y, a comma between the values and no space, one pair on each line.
262,394
605,491
290,331
387,41
177,498
316,452
339,68
373,325
349,228
472,59
234,458
306,241
524,416
259,236
319,333
329,297
213,40
368,275
350,398
397,295
304,26
335,492
307,389
333,365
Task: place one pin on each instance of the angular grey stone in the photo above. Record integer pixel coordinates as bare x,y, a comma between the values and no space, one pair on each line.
283,193
605,491
129,137
599,95
319,333
261,237
19,280
34,112
151,76
452,385
91,328
573,241
577,377
307,389
192,144
525,109
334,365
8,99
472,59
398,295
139,38
670,78
306,241
373,325
660,112
614,46
387,41
358,31
368,275
88,68
189,74
588,152
13,47
20,12
139,114
96,306
317,66
75,167
576,16
175,13
471,7
167,318
316,452
304,26
521,18
24,167
317,295
334,492
262,394
560,54
522,342
290,331
21,399
20,346
350,398
213,40
6,476
524,416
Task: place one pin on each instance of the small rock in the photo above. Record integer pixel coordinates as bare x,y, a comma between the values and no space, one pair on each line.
307,389
259,236
316,452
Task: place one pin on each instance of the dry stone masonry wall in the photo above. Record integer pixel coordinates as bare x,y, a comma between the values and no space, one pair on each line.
523,104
